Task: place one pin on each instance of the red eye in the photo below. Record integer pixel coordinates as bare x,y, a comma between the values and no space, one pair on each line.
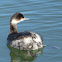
20,17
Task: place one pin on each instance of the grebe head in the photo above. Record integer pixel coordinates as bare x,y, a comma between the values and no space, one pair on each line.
17,17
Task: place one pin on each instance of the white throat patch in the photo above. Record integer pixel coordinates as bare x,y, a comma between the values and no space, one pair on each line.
15,21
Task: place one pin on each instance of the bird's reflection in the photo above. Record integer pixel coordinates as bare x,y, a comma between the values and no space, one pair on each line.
23,55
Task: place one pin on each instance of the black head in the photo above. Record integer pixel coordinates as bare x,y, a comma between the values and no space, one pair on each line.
17,17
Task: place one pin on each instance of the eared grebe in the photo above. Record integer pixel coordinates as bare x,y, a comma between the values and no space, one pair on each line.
23,40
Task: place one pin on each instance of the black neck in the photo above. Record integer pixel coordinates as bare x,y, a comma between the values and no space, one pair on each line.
13,28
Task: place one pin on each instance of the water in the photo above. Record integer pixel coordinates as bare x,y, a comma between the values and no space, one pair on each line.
45,19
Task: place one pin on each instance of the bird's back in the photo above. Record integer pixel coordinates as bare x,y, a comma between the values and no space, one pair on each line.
25,41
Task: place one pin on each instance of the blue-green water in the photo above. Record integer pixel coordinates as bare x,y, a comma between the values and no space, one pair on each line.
45,19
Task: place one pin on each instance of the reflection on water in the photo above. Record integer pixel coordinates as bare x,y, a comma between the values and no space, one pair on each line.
23,55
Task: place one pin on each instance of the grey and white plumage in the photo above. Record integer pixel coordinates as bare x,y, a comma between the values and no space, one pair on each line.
24,40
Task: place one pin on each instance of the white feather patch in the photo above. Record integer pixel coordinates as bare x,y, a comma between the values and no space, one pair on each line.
27,40
15,21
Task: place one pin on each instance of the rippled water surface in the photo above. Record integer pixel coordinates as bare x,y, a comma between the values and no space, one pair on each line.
45,19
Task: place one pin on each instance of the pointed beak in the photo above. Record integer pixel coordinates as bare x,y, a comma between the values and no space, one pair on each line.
24,19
